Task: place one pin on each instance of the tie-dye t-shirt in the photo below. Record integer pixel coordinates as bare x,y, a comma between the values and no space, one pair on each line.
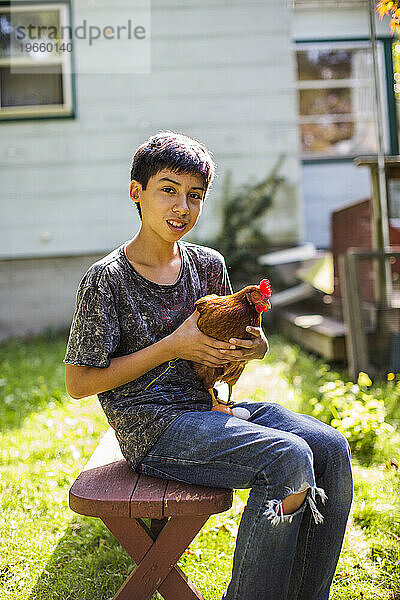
118,311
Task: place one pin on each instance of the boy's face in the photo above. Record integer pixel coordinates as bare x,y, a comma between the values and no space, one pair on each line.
169,197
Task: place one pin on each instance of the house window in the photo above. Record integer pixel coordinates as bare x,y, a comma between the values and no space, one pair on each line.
35,61
336,99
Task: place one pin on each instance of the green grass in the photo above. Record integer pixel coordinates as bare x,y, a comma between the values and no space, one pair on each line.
48,552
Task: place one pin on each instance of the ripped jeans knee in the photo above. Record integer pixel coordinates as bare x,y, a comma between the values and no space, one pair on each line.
292,472
275,509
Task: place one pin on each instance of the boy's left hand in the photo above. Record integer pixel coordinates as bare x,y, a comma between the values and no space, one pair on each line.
249,349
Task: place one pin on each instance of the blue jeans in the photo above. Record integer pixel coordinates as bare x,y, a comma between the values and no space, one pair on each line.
275,453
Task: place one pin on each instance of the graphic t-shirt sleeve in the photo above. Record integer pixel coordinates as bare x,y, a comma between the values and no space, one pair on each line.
95,331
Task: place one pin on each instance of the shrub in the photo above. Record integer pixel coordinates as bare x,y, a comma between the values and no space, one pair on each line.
356,412
241,238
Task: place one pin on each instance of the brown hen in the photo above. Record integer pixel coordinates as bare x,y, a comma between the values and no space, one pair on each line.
225,317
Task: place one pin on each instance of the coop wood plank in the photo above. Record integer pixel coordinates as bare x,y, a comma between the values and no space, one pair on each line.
332,348
327,326
392,168
356,341
296,293
186,499
148,497
361,161
289,255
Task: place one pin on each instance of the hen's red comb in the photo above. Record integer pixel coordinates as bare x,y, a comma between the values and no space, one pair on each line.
265,287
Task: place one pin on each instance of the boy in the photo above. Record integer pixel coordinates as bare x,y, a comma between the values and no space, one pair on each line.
133,333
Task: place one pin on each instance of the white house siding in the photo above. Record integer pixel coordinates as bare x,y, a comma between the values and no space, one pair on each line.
222,71
333,184
36,294
319,181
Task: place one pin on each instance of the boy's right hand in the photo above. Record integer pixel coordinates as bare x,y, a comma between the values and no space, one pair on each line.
189,343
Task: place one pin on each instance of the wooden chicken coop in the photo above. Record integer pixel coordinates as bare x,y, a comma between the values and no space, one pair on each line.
351,227
359,320
369,273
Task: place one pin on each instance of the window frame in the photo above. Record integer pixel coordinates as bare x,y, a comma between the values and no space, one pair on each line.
387,90
394,125
66,110
313,4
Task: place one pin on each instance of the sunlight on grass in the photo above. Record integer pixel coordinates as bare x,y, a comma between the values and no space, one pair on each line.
48,552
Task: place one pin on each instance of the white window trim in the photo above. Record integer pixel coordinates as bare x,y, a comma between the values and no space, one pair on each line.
65,60
337,83
328,3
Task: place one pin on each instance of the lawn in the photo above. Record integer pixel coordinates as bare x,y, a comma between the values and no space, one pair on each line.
48,552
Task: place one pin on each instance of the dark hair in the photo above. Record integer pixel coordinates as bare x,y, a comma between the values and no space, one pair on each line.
174,151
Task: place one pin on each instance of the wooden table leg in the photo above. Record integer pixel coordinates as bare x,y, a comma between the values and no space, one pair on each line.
157,525
156,559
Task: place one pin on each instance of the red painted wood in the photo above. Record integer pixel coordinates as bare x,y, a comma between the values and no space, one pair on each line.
351,226
106,484
157,525
186,499
148,497
109,489
104,490
161,558
136,538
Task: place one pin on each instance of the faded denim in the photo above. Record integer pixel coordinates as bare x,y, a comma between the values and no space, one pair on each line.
275,453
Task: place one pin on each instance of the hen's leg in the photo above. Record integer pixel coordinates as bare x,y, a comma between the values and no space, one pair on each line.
215,400
219,404
218,400
230,393
228,402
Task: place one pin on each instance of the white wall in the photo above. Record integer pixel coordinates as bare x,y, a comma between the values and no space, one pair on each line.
333,23
37,294
324,195
221,71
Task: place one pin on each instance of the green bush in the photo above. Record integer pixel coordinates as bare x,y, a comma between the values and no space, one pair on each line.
241,238
367,413
356,412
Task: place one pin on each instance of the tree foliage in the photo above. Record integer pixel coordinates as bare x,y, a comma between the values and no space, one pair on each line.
392,8
241,239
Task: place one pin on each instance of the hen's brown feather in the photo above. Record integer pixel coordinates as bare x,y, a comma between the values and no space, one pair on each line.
225,317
